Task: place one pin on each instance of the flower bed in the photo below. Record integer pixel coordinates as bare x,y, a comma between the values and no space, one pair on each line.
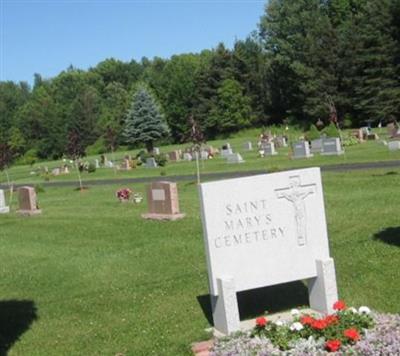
348,331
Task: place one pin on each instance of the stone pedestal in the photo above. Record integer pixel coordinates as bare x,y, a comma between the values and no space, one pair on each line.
4,209
27,201
163,203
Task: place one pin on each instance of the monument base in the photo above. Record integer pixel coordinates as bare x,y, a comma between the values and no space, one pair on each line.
5,210
29,212
309,156
332,153
163,216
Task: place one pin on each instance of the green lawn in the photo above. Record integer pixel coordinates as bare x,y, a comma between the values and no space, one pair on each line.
371,151
103,281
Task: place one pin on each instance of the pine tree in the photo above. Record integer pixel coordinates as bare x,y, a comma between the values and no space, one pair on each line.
144,122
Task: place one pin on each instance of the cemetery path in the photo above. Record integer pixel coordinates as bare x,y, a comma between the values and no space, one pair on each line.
210,176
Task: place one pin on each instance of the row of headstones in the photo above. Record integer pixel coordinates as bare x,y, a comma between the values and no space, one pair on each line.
27,202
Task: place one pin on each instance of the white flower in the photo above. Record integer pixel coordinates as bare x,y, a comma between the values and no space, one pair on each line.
295,312
296,326
71,161
279,323
352,310
364,310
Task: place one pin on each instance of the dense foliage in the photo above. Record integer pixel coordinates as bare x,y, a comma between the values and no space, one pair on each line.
309,60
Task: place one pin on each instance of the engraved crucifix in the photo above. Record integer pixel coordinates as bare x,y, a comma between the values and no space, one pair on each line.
296,194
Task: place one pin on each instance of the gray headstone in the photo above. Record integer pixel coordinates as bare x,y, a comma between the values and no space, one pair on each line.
248,146
331,146
234,158
269,149
394,145
151,162
227,152
301,149
316,145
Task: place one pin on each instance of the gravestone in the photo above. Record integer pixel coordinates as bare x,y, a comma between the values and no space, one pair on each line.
269,149
226,152
56,171
331,146
27,201
156,150
109,164
204,155
280,141
65,170
126,165
151,162
394,145
266,230
174,156
96,163
248,146
4,209
234,158
301,150
163,202
187,156
316,145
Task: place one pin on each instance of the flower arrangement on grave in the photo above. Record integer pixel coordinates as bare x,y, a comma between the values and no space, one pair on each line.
124,194
347,331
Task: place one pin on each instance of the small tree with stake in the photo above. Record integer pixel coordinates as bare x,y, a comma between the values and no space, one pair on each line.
6,158
75,150
144,121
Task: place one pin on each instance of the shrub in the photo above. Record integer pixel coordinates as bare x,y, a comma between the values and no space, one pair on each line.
98,148
331,130
91,168
313,133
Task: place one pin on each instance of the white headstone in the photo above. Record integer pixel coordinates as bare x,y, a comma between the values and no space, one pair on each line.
109,164
203,155
331,146
269,149
316,145
56,171
248,146
97,163
156,150
226,152
301,150
266,230
187,156
3,207
151,162
234,158
394,145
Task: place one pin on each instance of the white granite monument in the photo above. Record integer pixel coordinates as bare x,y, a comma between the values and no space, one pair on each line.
4,209
265,230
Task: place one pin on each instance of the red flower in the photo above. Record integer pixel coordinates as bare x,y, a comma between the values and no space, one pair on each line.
332,319
319,324
352,334
339,305
333,345
261,322
306,320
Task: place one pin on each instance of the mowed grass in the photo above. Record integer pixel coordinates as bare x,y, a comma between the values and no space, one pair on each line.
104,281
371,151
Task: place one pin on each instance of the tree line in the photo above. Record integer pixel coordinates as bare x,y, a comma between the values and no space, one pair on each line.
307,60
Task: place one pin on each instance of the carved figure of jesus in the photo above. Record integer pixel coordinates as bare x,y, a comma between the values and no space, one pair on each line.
296,194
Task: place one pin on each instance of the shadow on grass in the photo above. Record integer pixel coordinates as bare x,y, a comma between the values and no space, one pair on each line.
16,317
391,236
255,302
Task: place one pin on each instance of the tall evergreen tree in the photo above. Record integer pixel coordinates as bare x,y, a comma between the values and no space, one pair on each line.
144,121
